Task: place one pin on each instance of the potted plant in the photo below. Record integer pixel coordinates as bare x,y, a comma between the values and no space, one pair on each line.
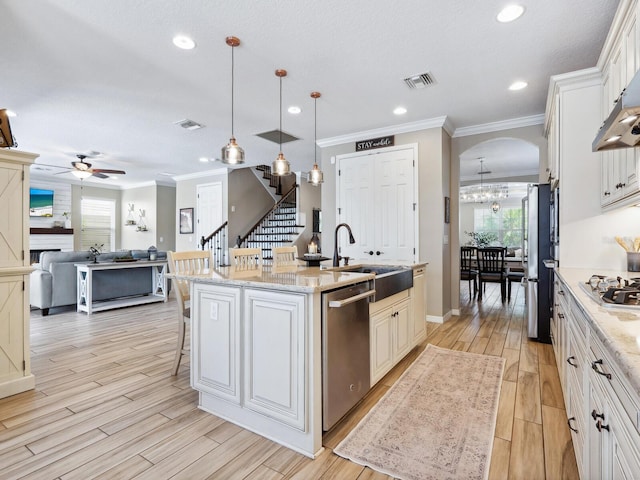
482,239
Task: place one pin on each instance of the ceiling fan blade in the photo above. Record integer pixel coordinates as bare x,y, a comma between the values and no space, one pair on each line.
102,170
99,175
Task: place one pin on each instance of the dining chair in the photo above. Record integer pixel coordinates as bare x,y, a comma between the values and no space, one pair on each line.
246,258
491,269
189,262
285,256
513,275
467,269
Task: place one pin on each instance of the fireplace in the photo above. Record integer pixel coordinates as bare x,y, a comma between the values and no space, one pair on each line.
34,255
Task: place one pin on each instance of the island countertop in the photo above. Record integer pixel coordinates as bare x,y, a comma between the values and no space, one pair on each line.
288,278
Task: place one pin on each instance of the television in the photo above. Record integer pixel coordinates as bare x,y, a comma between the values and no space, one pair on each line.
40,202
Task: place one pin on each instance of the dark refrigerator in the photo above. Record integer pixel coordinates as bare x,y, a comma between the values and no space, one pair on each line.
537,253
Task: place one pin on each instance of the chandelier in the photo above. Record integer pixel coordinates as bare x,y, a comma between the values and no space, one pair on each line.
482,193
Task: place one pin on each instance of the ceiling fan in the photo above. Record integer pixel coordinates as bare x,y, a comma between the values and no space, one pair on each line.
82,169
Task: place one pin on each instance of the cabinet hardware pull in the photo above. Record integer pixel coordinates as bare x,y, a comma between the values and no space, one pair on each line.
594,366
570,427
561,315
600,427
596,415
571,362
561,292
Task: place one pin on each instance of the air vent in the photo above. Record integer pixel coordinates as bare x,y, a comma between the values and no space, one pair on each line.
274,136
188,124
419,81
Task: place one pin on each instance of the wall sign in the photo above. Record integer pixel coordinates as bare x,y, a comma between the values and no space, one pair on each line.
375,143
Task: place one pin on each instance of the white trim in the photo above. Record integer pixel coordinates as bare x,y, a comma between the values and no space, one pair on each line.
579,79
441,319
438,122
500,125
615,30
191,176
511,176
455,312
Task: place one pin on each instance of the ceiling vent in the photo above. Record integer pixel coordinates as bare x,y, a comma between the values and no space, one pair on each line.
188,124
419,81
274,136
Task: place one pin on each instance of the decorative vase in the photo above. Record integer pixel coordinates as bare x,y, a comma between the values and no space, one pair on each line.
67,223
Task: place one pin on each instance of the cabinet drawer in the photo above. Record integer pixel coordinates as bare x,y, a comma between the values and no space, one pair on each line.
612,381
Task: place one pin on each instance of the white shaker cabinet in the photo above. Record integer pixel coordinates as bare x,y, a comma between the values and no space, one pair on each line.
619,169
274,355
419,304
216,337
603,411
15,364
391,333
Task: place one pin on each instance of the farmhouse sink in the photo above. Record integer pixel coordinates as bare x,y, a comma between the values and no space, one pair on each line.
389,279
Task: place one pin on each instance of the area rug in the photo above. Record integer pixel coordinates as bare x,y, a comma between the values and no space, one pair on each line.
437,421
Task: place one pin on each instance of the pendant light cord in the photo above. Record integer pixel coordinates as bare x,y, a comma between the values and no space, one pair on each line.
280,114
232,81
315,131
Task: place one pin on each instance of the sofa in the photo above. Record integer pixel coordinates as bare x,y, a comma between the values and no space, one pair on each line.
53,283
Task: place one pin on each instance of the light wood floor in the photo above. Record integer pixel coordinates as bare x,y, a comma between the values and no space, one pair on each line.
105,405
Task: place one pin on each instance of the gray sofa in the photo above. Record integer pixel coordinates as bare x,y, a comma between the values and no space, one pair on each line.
53,283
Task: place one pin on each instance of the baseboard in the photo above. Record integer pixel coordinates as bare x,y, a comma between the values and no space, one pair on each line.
442,319
455,312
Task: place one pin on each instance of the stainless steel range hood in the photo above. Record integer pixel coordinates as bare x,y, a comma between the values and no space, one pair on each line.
621,129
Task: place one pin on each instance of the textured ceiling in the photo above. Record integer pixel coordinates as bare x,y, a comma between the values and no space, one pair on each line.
103,75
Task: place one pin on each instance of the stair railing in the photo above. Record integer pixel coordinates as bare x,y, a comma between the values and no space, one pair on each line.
288,197
217,242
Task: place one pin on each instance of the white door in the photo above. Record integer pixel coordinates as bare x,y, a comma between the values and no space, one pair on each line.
209,209
376,197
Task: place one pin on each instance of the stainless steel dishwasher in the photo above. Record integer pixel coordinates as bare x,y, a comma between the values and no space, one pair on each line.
345,350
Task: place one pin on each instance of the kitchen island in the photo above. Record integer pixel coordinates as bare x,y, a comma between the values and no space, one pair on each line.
256,352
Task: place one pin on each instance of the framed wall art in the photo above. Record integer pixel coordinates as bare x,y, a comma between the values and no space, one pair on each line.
186,220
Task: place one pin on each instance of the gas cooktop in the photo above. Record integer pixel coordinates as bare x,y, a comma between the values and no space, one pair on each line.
613,291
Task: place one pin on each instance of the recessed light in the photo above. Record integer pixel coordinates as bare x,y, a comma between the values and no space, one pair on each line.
10,113
203,159
184,42
294,110
399,110
113,177
519,85
510,13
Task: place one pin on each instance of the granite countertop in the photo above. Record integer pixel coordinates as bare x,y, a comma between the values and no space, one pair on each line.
289,278
292,278
617,328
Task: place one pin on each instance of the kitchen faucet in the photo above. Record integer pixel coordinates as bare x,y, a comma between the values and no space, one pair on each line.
336,257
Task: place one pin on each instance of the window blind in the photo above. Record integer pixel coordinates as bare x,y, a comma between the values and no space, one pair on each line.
98,224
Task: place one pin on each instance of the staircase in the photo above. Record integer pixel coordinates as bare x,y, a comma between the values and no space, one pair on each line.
279,226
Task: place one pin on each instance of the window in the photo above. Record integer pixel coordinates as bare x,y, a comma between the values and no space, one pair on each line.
506,224
98,224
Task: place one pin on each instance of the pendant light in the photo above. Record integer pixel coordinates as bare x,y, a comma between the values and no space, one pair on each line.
315,176
281,166
232,154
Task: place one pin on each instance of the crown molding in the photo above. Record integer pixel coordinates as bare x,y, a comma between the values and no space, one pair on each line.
501,125
438,122
206,173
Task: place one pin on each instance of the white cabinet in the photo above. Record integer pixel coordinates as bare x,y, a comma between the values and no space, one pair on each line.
15,364
216,338
274,355
419,304
620,167
614,441
376,196
391,333
602,410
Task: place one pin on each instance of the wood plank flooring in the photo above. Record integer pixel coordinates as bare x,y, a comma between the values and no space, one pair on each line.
105,405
